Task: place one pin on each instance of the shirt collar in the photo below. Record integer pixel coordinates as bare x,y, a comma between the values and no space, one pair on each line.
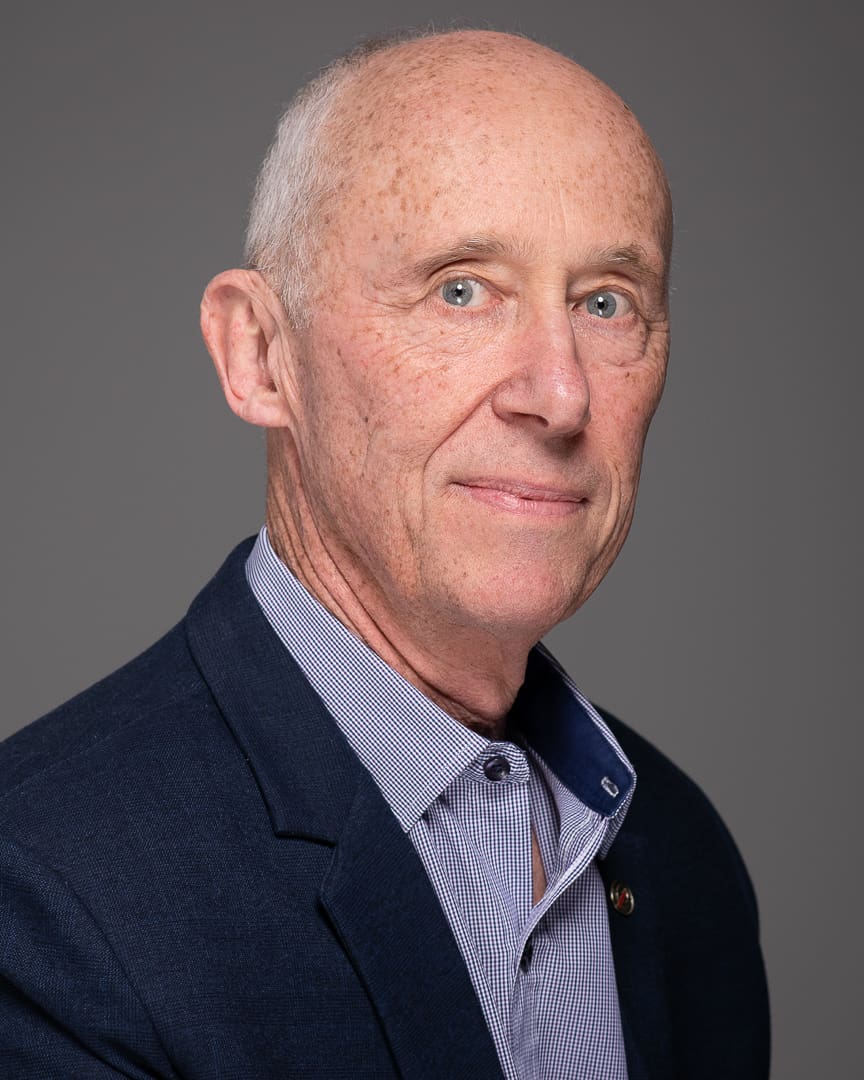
411,747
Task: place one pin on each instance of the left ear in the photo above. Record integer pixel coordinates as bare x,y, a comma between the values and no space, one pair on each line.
248,336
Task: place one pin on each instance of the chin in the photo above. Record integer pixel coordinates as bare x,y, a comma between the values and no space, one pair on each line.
520,602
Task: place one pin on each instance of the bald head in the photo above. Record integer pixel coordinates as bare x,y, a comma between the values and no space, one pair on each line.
464,74
399,105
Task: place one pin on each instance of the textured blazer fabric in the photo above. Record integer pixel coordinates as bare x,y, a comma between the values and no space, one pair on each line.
198,879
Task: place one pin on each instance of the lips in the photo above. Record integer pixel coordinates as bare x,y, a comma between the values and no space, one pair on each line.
522,497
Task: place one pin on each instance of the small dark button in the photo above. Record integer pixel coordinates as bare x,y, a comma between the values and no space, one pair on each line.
527,953
496,767
621,898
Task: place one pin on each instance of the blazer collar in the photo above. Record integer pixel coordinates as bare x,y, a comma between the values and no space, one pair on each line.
377,895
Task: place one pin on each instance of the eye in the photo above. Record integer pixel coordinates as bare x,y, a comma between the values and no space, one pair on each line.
605,304
461,292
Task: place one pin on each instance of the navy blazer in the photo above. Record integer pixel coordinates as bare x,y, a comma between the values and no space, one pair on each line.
199,879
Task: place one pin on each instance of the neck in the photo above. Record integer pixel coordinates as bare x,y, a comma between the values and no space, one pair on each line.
472,674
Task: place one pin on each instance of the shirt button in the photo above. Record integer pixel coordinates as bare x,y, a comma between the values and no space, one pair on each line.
496,767
609,786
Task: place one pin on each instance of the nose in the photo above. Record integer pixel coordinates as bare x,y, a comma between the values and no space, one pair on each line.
547,389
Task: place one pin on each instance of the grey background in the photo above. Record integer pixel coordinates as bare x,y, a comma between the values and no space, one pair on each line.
727,631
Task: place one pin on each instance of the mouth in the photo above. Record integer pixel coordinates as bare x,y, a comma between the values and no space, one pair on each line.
516,497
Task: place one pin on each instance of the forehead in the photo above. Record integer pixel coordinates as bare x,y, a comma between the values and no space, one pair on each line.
519,144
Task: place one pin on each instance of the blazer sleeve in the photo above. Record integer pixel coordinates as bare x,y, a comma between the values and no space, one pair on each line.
67,1009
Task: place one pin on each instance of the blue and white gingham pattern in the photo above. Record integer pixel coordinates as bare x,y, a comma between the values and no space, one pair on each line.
543,974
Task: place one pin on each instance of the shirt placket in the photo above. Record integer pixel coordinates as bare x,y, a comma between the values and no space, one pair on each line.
497,818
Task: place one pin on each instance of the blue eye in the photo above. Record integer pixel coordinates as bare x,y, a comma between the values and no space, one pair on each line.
459,293
602,304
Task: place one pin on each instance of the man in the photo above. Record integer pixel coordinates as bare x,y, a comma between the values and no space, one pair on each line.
347,819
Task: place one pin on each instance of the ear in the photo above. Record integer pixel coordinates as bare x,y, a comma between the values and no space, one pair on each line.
248,335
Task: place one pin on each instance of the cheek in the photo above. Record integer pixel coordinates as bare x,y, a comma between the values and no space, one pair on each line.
622,404
365,428
403,390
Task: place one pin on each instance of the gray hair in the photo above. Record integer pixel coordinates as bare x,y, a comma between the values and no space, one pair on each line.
300,171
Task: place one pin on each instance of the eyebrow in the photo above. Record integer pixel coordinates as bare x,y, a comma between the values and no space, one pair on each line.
635,258
632,257
471,247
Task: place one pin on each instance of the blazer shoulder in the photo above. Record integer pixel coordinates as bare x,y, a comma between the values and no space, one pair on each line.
669,804
671,789
162,682
158,682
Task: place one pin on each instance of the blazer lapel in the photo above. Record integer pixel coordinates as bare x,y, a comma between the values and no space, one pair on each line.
639,960
391,925
376,894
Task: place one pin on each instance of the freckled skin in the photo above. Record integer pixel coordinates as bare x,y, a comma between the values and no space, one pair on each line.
403,407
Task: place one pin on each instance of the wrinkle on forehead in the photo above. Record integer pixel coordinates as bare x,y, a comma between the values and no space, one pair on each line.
419,101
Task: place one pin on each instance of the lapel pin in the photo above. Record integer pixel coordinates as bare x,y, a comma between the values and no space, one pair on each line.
622,899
